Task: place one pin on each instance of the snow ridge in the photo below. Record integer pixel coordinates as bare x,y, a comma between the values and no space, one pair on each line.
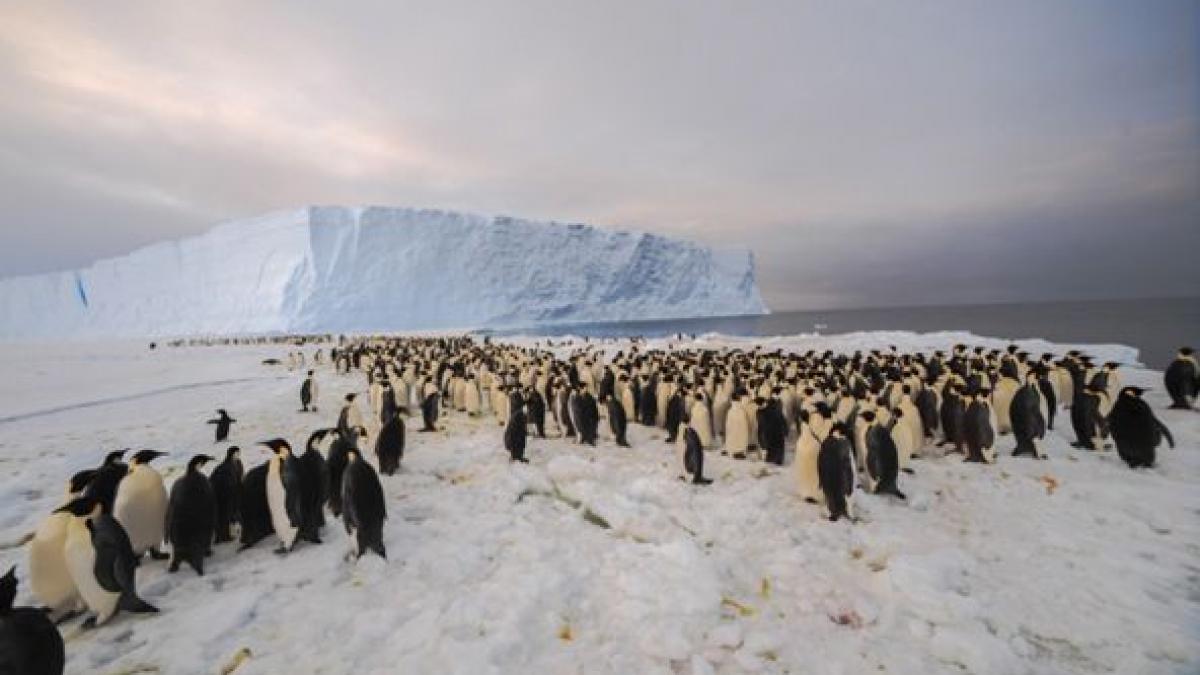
336,268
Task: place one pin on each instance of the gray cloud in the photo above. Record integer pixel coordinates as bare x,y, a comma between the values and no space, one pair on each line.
912,153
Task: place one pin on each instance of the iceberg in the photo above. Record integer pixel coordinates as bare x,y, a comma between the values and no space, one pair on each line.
376,269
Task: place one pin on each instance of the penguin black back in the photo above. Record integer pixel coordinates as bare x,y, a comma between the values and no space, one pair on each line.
1135,429
191,517
389,446
364,508
256,512
226,481
29,642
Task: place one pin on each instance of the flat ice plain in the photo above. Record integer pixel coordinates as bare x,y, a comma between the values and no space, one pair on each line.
1072,565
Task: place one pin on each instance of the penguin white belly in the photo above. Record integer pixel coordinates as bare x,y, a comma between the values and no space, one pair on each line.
472,399
627,403
720,413
81,563
701,424
860,445
141,508
1001,404
751,414
277,503
49,577
804,468
736,431
902,437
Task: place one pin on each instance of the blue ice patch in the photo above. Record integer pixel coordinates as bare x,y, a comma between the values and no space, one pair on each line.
79,288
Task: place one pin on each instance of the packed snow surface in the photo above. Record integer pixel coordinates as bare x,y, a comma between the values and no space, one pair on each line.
601,560
373,269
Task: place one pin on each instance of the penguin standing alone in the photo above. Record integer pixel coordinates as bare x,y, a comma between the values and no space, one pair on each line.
141,504
835,469
308,393
389,445
223,421
191,517
515,433
693,456
29,642
1182,378
1135,429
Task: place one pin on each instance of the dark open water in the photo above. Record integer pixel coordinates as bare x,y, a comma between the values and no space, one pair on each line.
1156,327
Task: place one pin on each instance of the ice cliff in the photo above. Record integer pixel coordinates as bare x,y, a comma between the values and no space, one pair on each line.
332,268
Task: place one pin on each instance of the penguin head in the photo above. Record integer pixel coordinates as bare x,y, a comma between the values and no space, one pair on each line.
233,452
1186,351
868,416
1133,392
114,457
198,461
278,446
81,507
146,456
222,413
80,480
8,589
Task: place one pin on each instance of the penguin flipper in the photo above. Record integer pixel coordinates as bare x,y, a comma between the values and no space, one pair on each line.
1165,431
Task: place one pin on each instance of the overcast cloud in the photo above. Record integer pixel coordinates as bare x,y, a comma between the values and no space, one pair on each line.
869,153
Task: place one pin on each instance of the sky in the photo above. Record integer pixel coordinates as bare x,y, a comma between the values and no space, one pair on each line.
869,153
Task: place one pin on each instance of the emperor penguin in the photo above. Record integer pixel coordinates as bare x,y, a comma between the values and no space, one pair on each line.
1087,420
882,466
835,470
1028,420
617,421
49,578
515,434
814,428
693,455
284,507
927,404
701,418
141,504
29,642
223,422
1135,429
256,514
1182,379
364,508
1002,396
429,406
308,393
389,446
103,484
226,482
979,429
349,417
737,429
471,399
101,562
676,412
904,439
191,518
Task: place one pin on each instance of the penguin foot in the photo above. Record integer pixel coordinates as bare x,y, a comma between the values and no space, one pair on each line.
810,500
174,567
156,554
908,471
282,550
702,481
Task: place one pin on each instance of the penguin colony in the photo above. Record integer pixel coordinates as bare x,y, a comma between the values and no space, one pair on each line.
856,423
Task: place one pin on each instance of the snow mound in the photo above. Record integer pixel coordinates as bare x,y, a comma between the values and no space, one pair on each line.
333,268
